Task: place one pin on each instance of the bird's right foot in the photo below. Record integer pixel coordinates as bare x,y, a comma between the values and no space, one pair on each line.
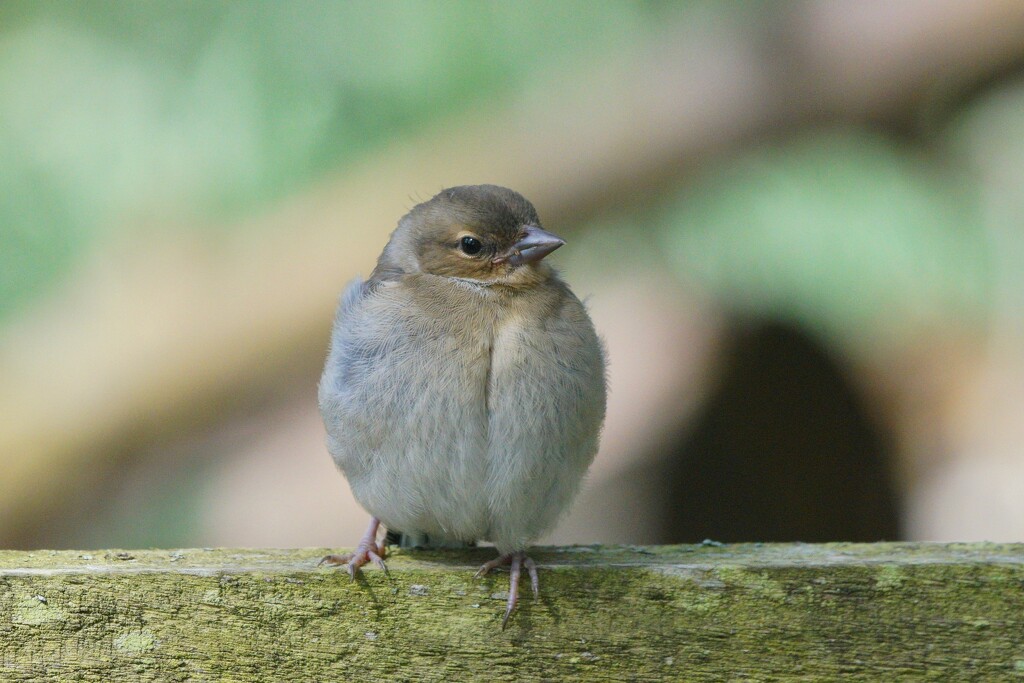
353,561
367,551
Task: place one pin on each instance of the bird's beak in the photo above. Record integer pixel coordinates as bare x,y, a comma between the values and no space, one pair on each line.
535,245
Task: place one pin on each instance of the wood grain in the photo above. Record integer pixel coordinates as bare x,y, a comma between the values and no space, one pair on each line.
699,613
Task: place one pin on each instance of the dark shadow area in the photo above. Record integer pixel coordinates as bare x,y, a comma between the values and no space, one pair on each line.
783,450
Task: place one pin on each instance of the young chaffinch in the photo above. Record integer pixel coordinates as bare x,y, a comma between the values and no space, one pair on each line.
464,390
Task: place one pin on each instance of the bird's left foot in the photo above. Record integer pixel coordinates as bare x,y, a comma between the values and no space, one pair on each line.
516,561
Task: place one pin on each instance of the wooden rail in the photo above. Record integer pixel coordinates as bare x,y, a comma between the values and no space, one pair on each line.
879,612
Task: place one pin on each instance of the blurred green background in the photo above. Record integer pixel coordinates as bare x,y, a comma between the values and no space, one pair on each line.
798,224
217,109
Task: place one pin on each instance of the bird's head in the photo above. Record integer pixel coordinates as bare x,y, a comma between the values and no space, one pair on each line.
481,233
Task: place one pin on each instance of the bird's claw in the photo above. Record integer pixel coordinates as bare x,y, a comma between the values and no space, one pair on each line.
367,551
515,561
353,561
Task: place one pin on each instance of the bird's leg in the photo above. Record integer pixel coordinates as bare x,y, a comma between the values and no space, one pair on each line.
367,550
516,561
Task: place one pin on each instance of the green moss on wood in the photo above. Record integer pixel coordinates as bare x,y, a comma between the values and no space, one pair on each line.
701,613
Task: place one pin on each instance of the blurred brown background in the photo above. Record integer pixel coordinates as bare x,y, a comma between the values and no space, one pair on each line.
799,226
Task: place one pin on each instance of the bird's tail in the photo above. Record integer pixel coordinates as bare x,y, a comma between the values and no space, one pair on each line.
423,541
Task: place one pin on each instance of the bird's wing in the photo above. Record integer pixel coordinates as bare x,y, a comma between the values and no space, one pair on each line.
354,291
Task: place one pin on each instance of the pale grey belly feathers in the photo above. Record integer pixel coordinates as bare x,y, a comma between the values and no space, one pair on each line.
466,423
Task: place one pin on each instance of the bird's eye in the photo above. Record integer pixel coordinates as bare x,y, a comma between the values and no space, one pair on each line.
470,245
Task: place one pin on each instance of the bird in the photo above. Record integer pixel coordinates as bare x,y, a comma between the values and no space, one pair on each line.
465,386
